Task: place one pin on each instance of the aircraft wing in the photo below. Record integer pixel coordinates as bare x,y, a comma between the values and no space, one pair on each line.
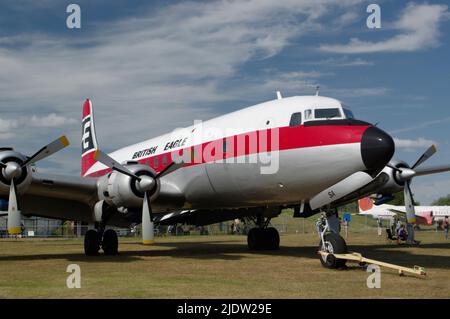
73,198
59,196
396,211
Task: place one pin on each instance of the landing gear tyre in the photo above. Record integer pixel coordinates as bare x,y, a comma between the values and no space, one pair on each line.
253,238
263,239
91,243
273,238
110,242
334,244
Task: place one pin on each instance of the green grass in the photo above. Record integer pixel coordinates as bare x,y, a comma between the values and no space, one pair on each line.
220,266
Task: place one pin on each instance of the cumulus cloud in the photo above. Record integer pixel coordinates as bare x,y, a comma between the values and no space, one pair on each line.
412,144
427,189
421,125
149,63
360,92
9,127
417,27
342,62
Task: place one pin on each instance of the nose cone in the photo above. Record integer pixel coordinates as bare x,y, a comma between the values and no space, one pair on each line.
377,149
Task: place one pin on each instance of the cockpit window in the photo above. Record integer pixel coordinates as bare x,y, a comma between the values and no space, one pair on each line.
326,113
308,114
296,119
348,114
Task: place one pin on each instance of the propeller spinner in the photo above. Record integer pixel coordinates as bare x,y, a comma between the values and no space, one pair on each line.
145,184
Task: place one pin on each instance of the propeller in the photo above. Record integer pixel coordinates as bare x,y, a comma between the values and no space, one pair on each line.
405,174
145,184
12,170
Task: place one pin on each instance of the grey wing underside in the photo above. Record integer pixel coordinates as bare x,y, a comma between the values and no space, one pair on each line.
73,198
60,196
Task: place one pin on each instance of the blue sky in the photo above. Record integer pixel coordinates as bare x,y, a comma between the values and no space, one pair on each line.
150,67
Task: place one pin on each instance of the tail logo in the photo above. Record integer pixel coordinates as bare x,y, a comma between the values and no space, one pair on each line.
87,142
365,203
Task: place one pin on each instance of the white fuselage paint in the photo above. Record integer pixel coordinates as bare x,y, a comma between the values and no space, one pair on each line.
302,173
387,212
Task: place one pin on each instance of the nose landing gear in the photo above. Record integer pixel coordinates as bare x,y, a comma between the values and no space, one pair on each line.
330,241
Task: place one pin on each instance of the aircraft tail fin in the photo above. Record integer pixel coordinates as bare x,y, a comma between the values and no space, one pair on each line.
88,138
365,205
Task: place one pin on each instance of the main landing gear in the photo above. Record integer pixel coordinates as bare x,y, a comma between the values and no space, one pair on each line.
263,237
330,240
99,237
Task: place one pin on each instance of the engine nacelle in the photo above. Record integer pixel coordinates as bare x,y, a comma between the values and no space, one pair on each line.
395,183
23,180
120,190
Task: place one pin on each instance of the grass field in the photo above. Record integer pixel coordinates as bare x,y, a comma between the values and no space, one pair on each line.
219,266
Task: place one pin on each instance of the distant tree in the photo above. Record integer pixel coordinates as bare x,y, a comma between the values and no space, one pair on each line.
442,201
399,200
351,208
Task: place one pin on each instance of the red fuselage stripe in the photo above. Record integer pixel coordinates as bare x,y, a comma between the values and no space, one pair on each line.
244,144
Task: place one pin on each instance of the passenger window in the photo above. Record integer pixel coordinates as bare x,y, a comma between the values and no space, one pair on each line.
308,115
155,162
296,119
164,160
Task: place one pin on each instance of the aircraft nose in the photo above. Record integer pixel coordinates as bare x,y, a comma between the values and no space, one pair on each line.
377,149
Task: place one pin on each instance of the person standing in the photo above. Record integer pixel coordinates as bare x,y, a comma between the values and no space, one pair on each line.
398,226
380,225
346,227
445,225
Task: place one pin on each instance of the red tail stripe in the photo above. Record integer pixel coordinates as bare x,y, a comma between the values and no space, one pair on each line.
86,108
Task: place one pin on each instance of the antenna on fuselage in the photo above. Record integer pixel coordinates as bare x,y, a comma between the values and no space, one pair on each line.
317,90
279,97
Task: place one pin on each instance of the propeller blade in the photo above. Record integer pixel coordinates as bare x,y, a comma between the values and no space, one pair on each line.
425,156
172,167
409,204
48,150
394,168
148,232
432,170
340,189
113,164
14,216
2,165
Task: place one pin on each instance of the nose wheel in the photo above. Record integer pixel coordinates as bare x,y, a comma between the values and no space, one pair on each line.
333,244
330,241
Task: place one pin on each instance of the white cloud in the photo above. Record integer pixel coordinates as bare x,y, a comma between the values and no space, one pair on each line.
421,125
10,127
360,92
346,19
412,144
427,189
154,72
342,62
418,28
51,120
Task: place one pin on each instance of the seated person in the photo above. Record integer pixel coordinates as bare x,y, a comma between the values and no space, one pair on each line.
402,233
